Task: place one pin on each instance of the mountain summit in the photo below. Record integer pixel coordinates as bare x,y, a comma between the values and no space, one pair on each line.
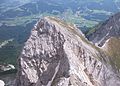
58,54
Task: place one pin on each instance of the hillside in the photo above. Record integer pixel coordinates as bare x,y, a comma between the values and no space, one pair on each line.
109,28
112,49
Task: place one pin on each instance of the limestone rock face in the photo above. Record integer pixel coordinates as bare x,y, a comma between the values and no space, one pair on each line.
57,54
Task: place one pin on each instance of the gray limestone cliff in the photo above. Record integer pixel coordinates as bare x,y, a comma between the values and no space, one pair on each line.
58,54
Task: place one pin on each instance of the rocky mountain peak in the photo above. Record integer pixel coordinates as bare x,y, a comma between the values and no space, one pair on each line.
109,28
58,54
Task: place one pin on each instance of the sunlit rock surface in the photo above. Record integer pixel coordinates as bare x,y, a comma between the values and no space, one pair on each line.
2,83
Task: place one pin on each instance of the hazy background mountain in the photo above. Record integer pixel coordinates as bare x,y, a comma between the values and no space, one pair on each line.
17,18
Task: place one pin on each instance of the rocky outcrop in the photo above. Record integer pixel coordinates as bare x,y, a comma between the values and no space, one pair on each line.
57,54
6,67
110,28
2,83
